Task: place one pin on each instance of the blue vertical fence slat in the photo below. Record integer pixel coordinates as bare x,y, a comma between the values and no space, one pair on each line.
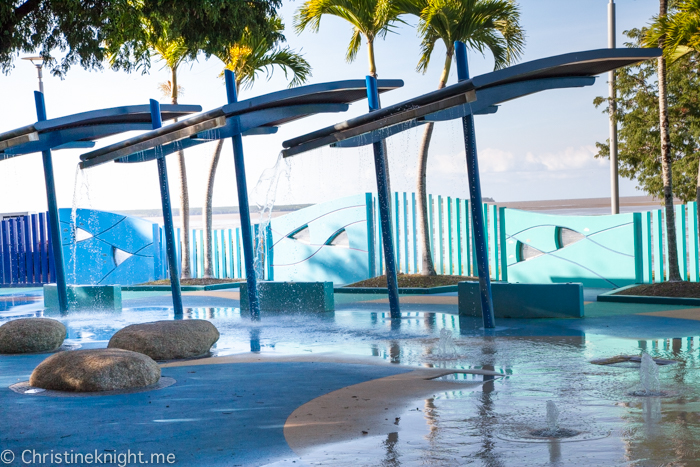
2,256
21,251
14,262
6,245
28,259
693,267
36,248
44,248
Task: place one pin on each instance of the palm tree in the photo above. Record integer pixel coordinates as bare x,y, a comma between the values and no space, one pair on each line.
679,35
249,57
173,53
481,24
370,19
661,40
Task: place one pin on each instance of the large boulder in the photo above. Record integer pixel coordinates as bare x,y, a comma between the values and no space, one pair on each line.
95,370
167,340
31,335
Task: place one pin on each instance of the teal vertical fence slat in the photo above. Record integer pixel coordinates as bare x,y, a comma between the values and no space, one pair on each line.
397,232
369,219
493,241
431,223
693,267
215,253
239,261
487,236
658,246
454,237
681,242
407,261
647,248
503,248
451,232
466,228
638,248
179,251
415,233
380,245
440,246
229,256
460,235
201,252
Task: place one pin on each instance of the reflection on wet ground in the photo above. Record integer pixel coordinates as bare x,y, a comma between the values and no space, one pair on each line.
540,361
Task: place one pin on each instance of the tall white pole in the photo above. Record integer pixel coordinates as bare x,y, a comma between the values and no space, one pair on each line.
614,188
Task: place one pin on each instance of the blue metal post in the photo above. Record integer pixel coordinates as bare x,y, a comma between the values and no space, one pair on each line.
170,246
384,201
481,248
54,221
246,230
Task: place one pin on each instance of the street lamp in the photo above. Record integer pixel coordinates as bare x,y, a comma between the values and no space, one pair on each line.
614,188
38,62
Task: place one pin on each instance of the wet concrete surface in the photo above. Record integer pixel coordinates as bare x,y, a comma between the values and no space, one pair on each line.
540,360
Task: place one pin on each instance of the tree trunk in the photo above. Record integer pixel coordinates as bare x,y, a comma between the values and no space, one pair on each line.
673,270
184,197
207,211
428,268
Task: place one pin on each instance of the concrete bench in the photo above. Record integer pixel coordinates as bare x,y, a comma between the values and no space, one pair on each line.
524,300
314,297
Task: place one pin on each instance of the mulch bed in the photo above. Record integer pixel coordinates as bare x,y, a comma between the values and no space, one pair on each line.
197,281
414,280
665,289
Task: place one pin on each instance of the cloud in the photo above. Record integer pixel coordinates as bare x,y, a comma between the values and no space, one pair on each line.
498,161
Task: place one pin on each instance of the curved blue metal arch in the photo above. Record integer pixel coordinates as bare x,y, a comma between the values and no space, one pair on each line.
269,110
81,129
486,103
517,79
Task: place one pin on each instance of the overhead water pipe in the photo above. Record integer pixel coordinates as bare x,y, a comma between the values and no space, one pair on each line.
54,221
482,257
170,248
384,200
243,207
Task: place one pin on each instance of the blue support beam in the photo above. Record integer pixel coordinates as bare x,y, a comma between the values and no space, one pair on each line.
481,247
170,246
244,210
53,211
384,200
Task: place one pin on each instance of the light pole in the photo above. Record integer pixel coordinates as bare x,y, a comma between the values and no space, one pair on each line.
614,188
38,62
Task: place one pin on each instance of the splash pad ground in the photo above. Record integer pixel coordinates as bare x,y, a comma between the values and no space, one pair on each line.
354,387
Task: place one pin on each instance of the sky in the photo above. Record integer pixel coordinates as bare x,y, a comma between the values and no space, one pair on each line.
537,147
